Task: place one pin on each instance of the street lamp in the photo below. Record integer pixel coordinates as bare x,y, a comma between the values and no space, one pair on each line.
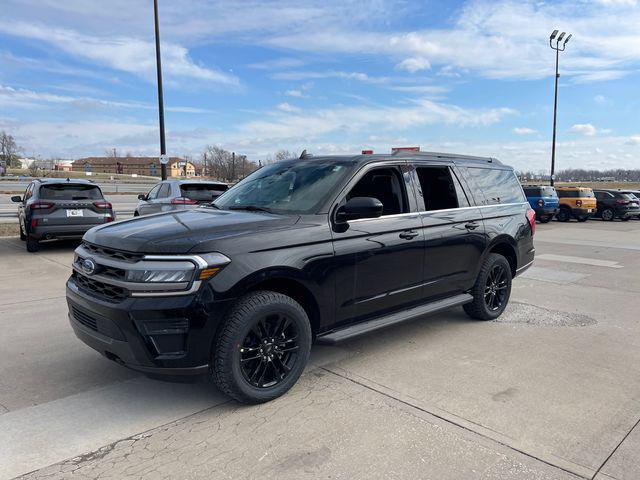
163,146
558,48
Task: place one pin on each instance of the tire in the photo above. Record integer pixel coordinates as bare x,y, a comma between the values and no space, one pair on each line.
564,215
625,219
254,317
32,244
583,219
607,215
136,214
23,236
545,218
482,306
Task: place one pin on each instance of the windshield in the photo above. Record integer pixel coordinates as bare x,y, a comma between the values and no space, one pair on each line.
69,191
291,187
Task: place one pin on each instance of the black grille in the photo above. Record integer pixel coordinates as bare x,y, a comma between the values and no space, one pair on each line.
85,319
99,289
113,272
110,253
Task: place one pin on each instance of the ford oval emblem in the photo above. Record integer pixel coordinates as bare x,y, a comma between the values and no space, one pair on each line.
88,266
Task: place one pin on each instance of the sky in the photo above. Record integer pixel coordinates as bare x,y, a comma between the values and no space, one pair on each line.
77,77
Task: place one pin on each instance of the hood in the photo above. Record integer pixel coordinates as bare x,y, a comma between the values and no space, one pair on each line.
182,231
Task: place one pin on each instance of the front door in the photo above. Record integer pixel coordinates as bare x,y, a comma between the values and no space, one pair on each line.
379,260
147,206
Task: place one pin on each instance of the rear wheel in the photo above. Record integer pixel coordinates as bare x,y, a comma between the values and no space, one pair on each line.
32,244
545,218
607,215
492,289
564,215
262,348
583,219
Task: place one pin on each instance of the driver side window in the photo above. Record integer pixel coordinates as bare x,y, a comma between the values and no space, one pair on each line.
154,192
386,185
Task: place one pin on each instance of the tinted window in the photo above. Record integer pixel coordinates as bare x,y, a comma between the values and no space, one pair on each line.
438,189
384,184
69,191
568,193
202,192
498,186
626,196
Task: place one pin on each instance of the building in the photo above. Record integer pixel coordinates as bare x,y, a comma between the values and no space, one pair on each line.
134,165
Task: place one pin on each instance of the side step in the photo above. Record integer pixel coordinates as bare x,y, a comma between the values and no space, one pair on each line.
336,336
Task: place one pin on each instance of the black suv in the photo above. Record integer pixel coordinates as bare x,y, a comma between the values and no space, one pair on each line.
56,209
304,250
616,204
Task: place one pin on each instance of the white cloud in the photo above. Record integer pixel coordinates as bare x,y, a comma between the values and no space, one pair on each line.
524,131
123,53
585,129
633,140
414,64
599,99
286,107
294,93
277,63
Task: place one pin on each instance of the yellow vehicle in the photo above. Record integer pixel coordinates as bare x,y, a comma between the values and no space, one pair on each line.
576,202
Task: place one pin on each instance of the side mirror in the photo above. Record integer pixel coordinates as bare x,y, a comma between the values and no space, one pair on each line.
142,196
16,199
359,207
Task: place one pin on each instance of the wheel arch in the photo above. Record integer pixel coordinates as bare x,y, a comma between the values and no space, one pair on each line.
505,246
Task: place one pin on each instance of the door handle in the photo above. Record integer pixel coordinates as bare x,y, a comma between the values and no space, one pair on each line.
471,225
408,235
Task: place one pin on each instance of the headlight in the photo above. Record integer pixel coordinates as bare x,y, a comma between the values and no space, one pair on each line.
167,276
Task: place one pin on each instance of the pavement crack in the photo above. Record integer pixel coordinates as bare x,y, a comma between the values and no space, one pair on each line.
616,449
451,422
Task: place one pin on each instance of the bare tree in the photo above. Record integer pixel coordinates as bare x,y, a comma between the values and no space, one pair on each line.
8,150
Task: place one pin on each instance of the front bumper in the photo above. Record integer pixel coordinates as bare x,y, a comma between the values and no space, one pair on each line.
160,336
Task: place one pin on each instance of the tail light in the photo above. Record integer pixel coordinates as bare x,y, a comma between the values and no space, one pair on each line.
531,216
622,202
106,205
34,222
578,203
41,205
541,203
183,201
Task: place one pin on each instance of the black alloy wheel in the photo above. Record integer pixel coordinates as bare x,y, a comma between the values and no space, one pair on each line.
608,215
564,215
269,351
495,290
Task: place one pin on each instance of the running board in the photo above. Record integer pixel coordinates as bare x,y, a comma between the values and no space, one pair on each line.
337,336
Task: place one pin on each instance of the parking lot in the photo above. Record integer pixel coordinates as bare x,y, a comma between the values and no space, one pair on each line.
550,390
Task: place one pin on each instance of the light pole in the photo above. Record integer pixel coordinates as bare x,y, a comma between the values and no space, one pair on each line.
163,146
558,48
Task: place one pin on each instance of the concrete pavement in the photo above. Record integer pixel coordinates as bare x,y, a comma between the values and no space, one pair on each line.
550,390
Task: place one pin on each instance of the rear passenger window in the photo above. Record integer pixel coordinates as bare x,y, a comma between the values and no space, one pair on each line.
498,186
440,189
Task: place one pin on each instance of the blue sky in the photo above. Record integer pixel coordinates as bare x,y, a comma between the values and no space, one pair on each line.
78,77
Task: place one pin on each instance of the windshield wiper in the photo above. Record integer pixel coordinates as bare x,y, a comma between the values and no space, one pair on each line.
250,208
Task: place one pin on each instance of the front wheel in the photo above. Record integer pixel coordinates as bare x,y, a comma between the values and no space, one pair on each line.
492,289
23,235
608,215
262,347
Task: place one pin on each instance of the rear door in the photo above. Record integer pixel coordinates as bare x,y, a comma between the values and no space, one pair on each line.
70,204
453,230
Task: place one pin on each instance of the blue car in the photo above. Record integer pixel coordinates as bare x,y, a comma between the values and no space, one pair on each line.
544,200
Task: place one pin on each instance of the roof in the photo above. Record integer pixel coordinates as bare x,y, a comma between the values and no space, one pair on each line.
406,155
197,182
65,180
124,160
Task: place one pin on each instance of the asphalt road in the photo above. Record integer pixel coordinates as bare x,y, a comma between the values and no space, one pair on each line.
549,391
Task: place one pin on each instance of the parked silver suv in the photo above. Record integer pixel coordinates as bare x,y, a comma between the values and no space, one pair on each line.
177,195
